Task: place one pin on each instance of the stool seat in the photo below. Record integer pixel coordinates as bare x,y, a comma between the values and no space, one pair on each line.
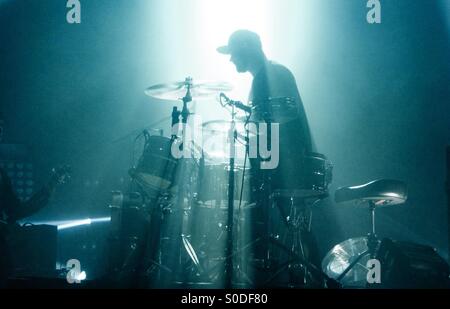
382,192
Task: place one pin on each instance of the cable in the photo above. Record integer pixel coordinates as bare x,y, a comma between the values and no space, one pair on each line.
224,105
245,163
146,136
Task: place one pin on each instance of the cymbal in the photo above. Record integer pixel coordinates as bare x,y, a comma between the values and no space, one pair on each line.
341,256
200,89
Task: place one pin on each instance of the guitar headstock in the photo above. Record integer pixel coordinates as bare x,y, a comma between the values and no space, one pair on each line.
61,174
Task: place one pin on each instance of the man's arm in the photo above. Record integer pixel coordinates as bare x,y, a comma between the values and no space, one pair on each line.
11,205
38,201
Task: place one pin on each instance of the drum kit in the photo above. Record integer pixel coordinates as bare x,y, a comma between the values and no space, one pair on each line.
207,221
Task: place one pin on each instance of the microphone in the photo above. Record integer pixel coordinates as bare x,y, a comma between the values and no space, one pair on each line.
237,104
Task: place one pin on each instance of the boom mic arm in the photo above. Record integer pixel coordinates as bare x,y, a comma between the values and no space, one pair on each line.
237,104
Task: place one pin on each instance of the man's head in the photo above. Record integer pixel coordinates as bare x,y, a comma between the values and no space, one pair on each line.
245,48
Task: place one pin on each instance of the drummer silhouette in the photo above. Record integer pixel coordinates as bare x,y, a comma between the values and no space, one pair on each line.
274,98
272,82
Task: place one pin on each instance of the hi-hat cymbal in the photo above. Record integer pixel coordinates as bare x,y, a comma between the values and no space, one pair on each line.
199,89
341,256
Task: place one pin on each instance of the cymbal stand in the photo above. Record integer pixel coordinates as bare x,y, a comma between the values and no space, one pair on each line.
372,243
180,173
184,231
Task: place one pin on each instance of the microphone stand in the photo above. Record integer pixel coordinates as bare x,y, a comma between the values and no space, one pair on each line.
229,248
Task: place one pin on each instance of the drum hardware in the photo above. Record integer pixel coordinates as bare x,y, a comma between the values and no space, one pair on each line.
229,267
192,254
154,182
340,263
372,243
229,247
224,101
293,243
312,187
316,180
166,179
182,189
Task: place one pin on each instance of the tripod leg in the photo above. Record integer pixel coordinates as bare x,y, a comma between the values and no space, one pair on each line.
280,269
352,264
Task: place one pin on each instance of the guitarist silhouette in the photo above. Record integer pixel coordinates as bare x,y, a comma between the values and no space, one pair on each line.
12,209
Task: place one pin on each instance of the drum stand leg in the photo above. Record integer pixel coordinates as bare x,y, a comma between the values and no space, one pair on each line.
149,267
240,277
308,266
296,251
372,244
297,255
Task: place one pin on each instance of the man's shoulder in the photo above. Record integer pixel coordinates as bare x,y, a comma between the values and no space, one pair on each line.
273,65
279,70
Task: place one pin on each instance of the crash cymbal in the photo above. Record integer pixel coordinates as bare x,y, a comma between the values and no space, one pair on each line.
199,89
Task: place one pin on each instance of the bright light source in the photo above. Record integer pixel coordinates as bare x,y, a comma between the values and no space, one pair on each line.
81,276
75,276
74,223
218,19
66,224
98,220
88,221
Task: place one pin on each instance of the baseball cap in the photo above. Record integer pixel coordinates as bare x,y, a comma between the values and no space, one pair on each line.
241,40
